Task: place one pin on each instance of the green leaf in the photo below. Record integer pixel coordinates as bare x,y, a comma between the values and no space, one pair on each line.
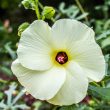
9,50
103,93
82,16
71,11
103,35
6,70
21,106
105,42
1,95
76,107
107,57
68,108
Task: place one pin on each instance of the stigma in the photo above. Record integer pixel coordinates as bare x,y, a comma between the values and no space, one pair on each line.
61,57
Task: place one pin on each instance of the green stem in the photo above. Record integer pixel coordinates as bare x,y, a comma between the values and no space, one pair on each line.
103,84
81,8
43,17
40,5
53,20
96,100
2,81
96,84
37,9
55,107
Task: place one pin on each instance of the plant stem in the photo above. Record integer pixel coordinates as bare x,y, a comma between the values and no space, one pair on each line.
103,84
40,5
96,84
37,9
43,17
2,81
53,20
55,107
81,9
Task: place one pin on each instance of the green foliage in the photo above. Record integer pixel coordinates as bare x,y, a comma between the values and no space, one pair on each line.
97,17
72,12
77,107
103,93
6,70
11,103
72,107
37,105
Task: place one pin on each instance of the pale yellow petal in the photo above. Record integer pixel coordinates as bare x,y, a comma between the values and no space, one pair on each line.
42,85
75,87
34,50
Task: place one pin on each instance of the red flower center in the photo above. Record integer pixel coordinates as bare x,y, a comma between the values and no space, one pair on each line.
61,57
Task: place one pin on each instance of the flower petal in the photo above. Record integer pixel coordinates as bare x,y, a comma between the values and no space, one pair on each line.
34,47
90,58
41,84
68,31
75,87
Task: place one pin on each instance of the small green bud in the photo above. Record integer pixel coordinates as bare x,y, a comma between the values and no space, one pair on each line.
28,4
22,27
48,12
91,102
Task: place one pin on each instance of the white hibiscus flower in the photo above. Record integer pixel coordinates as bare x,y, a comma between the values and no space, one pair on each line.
56,64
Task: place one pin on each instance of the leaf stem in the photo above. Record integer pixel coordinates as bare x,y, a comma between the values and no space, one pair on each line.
81,9
40,5
96,84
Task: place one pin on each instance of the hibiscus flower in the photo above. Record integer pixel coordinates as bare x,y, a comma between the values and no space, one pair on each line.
56,64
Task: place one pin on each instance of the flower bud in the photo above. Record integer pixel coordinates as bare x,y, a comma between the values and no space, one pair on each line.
48,12
22,27
28,4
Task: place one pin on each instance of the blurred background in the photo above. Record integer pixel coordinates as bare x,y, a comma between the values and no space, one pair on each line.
95,13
